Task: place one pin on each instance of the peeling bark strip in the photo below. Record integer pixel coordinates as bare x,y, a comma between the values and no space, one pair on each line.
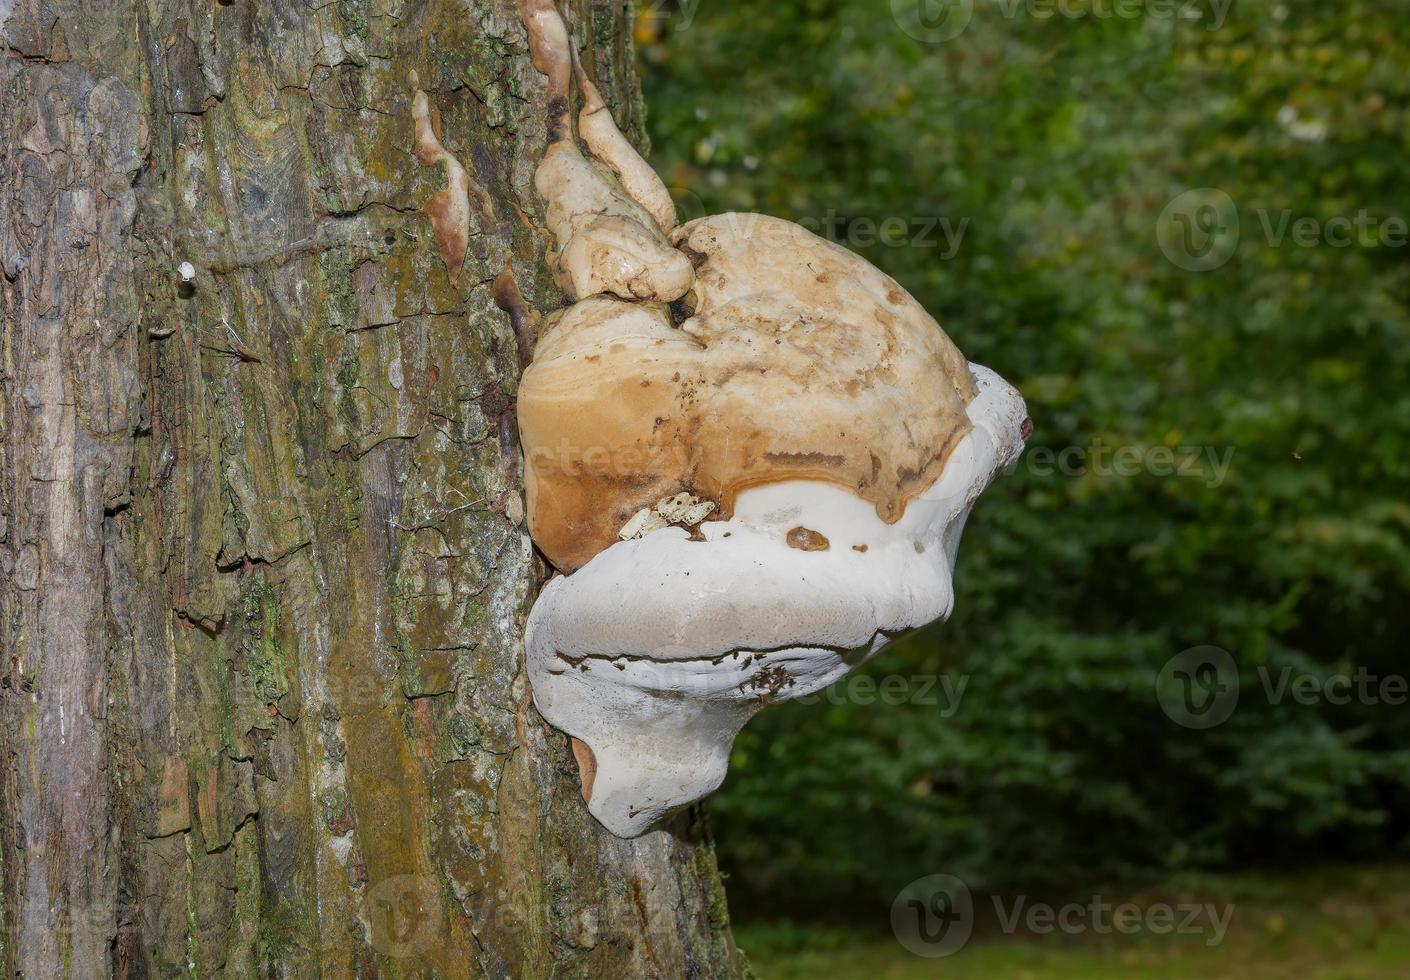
71,148
263,702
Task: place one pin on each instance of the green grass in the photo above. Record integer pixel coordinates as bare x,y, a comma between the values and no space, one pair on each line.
1339,924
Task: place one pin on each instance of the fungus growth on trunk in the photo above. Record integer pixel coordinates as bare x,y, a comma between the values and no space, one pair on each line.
749,453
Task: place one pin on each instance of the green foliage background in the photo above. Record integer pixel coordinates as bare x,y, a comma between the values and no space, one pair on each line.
1056,142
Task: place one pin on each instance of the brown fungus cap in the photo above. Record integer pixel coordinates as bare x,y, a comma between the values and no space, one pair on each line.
800,361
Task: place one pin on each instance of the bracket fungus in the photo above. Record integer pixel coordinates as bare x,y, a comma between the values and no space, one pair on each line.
749,453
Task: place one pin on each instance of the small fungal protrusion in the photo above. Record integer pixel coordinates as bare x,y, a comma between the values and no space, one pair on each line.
549,46
609,240
806,539
449,208
860,549
599,131
522,319
514,508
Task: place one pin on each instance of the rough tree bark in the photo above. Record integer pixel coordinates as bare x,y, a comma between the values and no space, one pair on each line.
262,583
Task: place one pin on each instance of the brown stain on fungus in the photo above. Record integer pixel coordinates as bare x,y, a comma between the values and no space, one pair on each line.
805,459
806,539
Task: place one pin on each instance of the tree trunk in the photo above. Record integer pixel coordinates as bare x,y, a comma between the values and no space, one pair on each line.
262,574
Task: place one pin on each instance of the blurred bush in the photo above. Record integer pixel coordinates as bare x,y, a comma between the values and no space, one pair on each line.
1030,171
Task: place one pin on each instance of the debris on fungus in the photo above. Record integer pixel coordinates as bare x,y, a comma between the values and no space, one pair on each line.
682,509
643,522
685,509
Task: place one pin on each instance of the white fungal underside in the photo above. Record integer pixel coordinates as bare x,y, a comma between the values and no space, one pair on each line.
658,650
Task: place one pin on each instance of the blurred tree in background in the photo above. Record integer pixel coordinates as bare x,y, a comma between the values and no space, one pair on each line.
1027,180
